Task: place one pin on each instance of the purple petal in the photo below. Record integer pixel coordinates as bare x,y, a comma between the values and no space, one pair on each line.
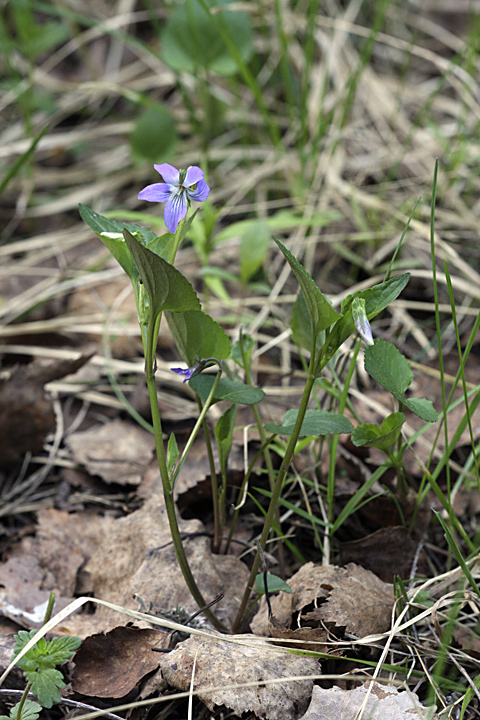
175,210
158,192
180,371
200,193
194,175
169,173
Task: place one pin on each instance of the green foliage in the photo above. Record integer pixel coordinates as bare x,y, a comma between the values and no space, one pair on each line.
274,584
392,370
34,38
384,438
191,39
198,335
30,711
316,422
38,664
231,390
242,350
154,136
166,287
320,311
253,249
301,325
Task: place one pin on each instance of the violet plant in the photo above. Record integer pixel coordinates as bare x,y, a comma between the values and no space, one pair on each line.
161,290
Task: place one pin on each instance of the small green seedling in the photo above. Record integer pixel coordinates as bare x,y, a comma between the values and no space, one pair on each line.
39,667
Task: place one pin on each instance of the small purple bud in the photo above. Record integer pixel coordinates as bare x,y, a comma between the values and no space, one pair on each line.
361,321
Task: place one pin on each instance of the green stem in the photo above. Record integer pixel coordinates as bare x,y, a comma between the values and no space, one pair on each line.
272,508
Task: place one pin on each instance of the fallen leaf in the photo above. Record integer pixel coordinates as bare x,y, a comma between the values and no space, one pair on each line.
26,411
221,663
136,557
111,664
341,600
118,451
384,703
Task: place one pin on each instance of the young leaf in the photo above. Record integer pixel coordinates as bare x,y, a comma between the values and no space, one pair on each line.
315,422
246,344
30,711
172,452
166,287
384,437
224,436
274,584
392,370
61,649
46,685
231,390
253,249
198,335
321,313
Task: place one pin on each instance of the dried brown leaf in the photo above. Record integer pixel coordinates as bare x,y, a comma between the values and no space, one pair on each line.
220,663
118,451
111,664
349,599
384,703
26,412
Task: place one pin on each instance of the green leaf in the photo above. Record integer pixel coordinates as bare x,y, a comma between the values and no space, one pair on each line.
224,436
162,245
232,390
274,584
301,325
321,313
30,711
172,452
61,649
110,233
197,335
392,370
246,343
46,685
191,40
154,136
315,422
384,437
253,249
166,287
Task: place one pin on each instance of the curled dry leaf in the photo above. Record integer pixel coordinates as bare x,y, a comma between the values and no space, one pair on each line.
221,664
118,451
328,600
111,664
26,411
384,703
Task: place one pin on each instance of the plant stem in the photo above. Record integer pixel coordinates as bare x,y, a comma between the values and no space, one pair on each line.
169,502
272,508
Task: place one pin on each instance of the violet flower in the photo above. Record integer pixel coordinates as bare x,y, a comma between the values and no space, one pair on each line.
179,188
361,321
197,368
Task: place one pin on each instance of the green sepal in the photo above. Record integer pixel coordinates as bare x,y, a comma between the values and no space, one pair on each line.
315,422
172,453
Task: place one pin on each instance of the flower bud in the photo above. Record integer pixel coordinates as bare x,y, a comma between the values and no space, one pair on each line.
361,322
